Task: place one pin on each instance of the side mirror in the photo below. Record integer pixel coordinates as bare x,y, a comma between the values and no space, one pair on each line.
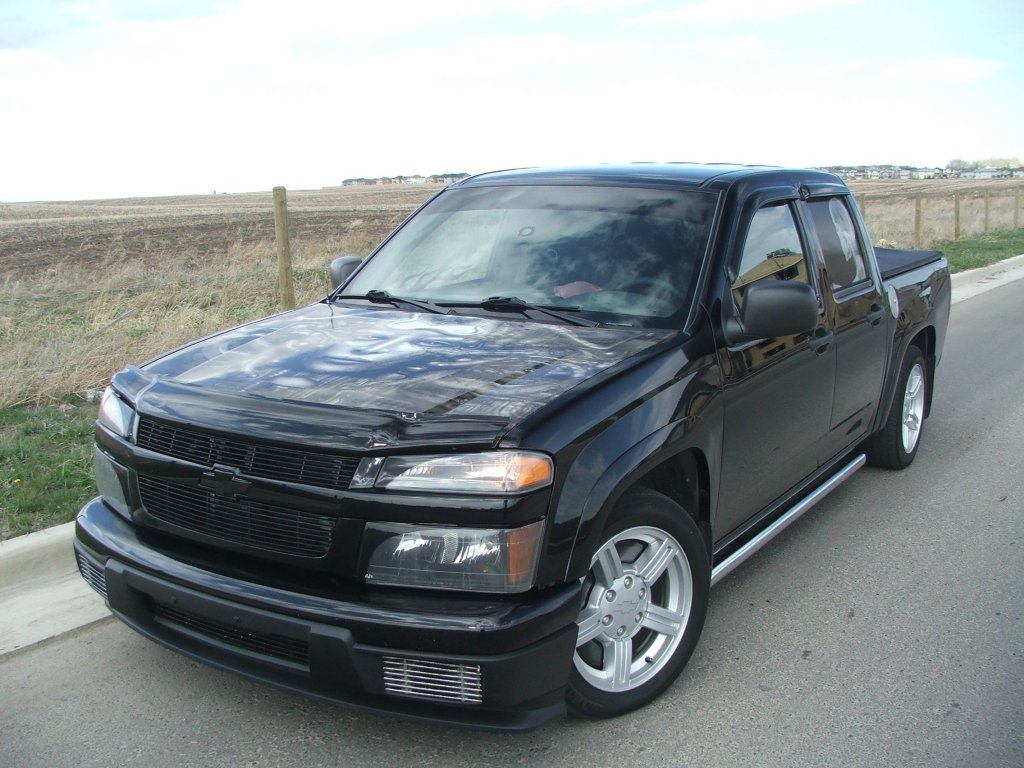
342,268
773,308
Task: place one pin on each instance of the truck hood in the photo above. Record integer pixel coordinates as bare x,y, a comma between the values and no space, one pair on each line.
373,373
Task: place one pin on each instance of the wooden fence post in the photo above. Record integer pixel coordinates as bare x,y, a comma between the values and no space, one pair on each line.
988,196
1016,209
284,254
956,216
917,220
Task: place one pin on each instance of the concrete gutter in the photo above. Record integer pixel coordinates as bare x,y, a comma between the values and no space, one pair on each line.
42,597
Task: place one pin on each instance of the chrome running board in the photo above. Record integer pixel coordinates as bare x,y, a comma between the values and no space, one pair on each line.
738,557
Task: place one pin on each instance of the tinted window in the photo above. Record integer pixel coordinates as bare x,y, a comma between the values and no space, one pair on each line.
771,250
844,258
628,252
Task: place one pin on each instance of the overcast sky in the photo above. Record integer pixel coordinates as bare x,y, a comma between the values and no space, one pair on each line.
117,98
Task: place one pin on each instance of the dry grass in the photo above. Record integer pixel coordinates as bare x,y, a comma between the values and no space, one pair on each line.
69,332
90,287
87,287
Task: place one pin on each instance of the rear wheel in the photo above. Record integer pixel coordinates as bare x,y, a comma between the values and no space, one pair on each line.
644,602
895,444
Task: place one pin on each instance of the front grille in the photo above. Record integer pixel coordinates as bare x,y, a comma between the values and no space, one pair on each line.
265,643
436,680
93,574
323,470
239,520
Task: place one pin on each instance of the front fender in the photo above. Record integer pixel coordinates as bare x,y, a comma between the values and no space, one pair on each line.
684,413
629,467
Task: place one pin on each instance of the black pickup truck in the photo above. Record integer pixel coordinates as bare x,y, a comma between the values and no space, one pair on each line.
498,468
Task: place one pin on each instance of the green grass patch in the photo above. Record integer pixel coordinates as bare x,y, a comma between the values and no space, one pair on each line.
45,465
983,250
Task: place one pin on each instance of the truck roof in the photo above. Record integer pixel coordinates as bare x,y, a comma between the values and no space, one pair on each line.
642,174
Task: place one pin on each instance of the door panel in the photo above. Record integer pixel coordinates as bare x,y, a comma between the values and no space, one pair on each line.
778,392
857,315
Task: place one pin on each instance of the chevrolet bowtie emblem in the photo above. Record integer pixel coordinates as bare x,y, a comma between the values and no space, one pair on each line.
225,481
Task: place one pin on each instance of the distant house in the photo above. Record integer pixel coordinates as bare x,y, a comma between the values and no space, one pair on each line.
986,173
447,178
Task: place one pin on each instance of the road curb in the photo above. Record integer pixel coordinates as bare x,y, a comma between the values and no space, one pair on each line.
972,282
42,597
36,556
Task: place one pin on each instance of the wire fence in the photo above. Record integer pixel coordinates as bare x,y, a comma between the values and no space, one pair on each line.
924,218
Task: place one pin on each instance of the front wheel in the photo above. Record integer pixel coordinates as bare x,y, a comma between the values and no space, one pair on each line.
895,444
644,602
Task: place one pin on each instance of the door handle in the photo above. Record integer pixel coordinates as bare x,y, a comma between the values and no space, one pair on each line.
820,339
875,314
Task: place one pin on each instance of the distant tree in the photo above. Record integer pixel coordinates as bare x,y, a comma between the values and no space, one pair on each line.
1001,162
991,162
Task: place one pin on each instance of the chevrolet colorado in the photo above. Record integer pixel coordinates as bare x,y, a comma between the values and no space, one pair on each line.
498,468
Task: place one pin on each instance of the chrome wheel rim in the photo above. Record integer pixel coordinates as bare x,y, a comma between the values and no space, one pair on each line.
913,408
638,597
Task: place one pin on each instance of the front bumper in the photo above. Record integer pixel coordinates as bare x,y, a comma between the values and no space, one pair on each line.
493,663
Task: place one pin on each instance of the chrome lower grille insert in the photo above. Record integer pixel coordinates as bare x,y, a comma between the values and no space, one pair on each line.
434,680
93,574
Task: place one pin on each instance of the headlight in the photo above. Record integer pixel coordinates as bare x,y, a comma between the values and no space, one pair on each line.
115,414
473,559
495,473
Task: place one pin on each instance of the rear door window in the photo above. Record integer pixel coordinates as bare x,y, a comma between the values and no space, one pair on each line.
840,244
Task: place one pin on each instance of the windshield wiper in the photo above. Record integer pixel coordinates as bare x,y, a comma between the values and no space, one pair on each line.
515,304
383,297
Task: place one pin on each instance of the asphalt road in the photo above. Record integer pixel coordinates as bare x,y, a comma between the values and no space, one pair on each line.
883,629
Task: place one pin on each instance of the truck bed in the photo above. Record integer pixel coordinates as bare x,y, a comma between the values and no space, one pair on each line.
895,261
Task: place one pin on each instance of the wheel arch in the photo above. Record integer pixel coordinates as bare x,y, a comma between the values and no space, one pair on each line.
925,341
683,476
685,479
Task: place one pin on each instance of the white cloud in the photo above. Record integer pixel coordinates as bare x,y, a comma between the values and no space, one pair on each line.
258,93
541,51
381,19
947,69
730,11
748,47
18,60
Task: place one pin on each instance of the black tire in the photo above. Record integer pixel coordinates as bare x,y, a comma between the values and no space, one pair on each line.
895,445
640,620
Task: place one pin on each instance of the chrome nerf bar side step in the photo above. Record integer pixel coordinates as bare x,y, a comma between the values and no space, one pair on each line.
727,566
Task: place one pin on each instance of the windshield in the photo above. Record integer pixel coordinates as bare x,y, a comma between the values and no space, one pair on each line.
624,255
